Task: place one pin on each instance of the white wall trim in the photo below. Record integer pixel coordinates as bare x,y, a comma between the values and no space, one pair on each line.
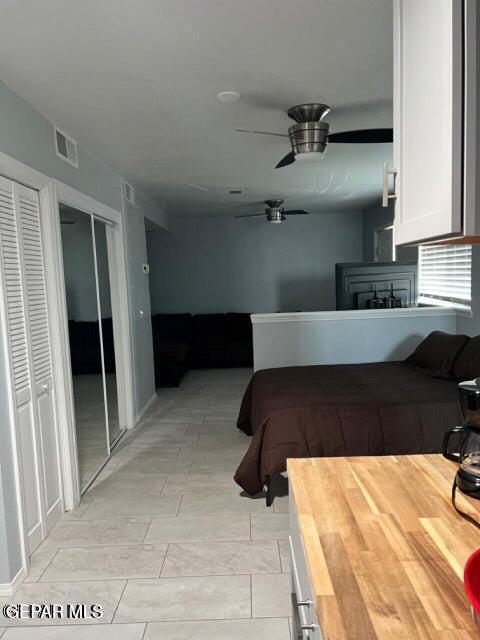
145,407
373,314
78,200
60,343
9,588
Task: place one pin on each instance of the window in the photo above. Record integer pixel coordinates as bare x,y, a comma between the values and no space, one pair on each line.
445,275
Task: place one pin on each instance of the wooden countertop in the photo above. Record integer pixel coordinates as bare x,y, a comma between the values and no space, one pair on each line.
384,548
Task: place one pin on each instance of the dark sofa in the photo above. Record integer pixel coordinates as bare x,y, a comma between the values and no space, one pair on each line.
183,341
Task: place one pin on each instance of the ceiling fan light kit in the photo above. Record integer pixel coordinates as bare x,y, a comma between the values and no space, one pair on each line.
310,135
275,213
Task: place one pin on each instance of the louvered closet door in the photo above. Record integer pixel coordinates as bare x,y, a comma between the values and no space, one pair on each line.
26,323
28,212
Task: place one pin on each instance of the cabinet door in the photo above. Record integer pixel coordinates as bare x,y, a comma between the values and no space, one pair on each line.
428,119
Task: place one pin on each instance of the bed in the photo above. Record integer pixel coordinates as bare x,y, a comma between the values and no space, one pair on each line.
385,408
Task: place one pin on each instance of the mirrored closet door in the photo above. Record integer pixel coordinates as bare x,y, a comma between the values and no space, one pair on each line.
87,258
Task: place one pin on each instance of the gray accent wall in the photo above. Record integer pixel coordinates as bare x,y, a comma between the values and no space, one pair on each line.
28,137
214,265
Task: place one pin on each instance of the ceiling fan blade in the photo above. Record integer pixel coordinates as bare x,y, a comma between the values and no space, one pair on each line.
263,133
288,159
250,215
362,136
297,212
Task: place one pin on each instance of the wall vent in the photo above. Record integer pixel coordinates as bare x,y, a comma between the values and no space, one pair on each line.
129,193
66,147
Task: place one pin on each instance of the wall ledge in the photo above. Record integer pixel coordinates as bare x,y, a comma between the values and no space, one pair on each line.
361,314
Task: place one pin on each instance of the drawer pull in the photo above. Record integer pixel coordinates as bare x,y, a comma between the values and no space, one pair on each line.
304,603
309,627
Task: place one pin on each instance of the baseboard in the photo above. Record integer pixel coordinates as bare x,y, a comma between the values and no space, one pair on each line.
9,588
145,408
54,514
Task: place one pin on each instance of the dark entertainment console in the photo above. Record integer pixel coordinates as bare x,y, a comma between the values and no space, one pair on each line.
376,285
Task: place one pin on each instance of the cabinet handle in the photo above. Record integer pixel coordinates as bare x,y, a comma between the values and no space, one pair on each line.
388,196
304,603
309,627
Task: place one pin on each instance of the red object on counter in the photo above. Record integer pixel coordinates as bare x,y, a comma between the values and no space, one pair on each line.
471,578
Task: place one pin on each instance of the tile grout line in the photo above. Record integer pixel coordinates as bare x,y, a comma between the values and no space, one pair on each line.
251,596
179,504
122,579
51,560
118,603
279,556
164,560
98,625
146,531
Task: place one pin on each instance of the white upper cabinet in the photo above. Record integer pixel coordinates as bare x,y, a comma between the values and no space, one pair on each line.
434,86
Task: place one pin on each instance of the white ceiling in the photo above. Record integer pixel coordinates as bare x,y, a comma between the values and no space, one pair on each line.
135,82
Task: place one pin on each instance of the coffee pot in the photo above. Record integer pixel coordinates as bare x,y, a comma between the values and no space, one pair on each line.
462,444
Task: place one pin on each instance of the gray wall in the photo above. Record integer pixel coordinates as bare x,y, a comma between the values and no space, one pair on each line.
27,136
220,264
140,301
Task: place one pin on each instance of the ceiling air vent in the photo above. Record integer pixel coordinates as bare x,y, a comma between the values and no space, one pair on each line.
129,193
66,148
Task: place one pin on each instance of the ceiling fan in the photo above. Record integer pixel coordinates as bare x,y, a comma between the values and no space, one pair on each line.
275,213
310,135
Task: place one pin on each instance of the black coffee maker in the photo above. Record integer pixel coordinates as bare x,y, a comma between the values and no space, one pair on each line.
462,444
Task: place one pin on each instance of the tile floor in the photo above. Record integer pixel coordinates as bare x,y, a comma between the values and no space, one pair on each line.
163,540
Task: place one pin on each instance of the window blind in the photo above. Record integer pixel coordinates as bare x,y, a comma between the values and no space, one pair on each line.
445,275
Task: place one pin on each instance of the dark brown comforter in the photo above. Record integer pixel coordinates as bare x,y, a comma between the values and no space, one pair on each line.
336,410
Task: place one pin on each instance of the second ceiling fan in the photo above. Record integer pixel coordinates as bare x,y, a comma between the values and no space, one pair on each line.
310,135
275,212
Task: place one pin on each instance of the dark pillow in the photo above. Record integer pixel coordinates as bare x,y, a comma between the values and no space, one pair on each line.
437,353
467,365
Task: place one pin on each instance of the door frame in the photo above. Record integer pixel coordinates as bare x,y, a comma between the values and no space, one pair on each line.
383,227
51,192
